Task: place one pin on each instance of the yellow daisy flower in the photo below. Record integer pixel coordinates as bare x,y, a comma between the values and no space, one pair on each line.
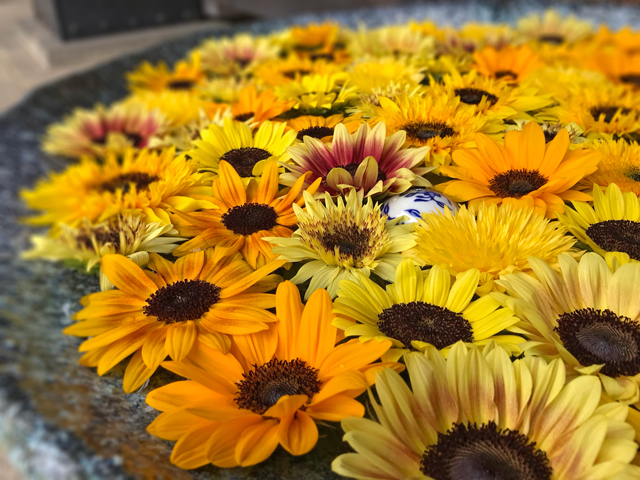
619,164
422,309
151,182
270,390
338,240
126,234
494,239
611,225
477,414
235,142
244,215
152,315
439,122
186,75
588,315
318,92
525,171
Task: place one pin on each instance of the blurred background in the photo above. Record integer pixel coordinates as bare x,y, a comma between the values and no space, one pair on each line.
42,40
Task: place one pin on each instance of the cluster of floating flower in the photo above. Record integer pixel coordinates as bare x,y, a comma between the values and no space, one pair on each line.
291,221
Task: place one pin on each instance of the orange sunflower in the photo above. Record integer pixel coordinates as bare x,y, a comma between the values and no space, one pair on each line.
525,171
258,106
244,215
509,63
322,128
269,390
199,299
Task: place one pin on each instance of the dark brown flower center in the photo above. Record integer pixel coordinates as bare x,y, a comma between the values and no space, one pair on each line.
136,139
243,117
181,301
250,218
103,236
424,322
244,159
315,132
263,386
549,135
293,73
607,113
350,240
181,84
617,236
633,175
552,39
423,131
124,181
484,452
473,96
631,78
517,183
598,337
506,74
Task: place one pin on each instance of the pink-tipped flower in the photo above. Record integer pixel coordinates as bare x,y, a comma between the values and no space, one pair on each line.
94,132
366,160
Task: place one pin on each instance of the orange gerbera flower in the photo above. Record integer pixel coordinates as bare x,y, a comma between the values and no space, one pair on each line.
525,171
509,63
237,408
244,215
152,315
258,106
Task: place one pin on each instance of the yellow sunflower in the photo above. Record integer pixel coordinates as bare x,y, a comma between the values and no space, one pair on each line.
525,171
494,239
552,28
235,142
439,122
478,415
620,66
318,92
268,391
152,315
322,128
285,70
178,107
258,107
511,64
619,164
244,215
337,240
126,234
371,75
186,75
588,315
422,309
611,225
398,41
153,182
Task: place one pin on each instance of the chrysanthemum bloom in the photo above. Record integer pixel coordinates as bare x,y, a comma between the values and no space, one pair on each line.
441,123
422,309
619,164
128,124
611,225
511,64
186,75
318,93
477,415
338,240
152,315
320,127
367,161
127,234
244,216
152,182
235,143
588,315
235,55
258,107
525,171
489,96
552,28
494,239
268,391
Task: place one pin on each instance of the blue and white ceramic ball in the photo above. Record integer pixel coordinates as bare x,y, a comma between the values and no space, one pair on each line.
416,201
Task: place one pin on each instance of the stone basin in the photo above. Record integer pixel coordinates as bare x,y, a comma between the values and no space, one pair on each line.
59,420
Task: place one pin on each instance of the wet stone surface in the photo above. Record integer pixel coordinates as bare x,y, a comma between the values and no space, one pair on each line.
59,420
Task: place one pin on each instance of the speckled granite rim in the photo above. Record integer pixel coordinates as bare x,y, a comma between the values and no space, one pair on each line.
59,420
